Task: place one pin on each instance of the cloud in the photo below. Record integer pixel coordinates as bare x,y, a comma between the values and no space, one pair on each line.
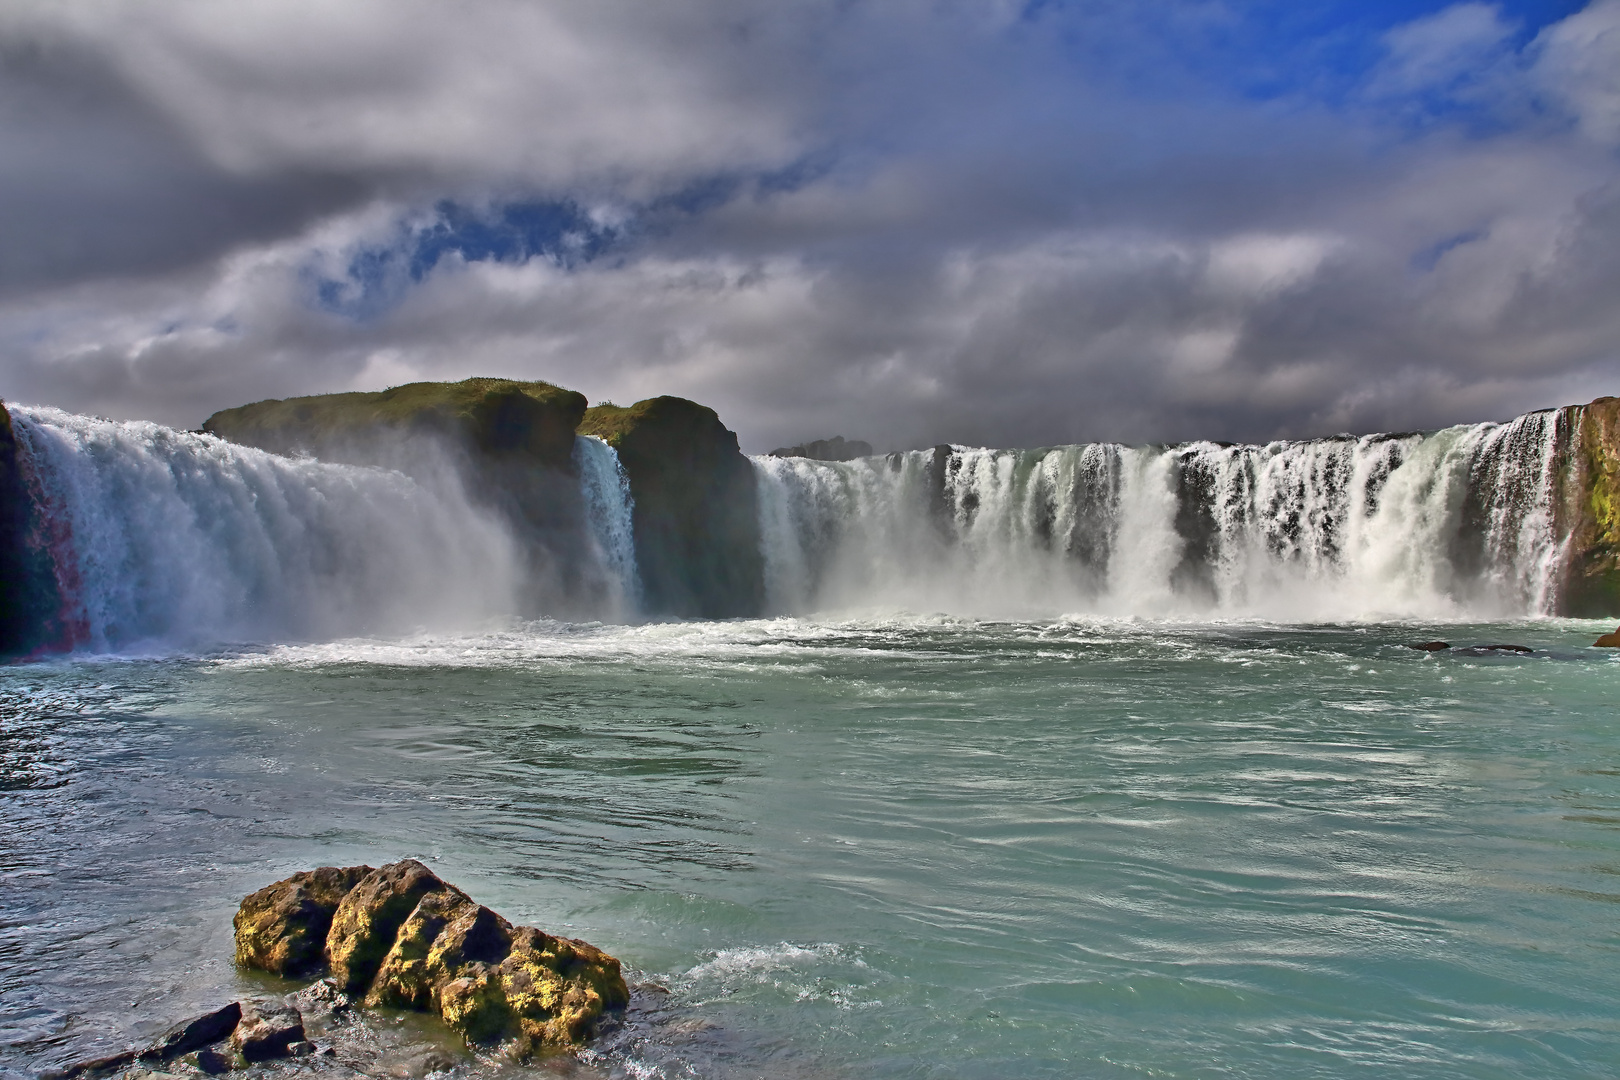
910,222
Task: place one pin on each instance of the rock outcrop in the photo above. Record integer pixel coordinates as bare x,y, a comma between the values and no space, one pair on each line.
836,448
282,928
1590,509
695,518
532,421
400,936
29,602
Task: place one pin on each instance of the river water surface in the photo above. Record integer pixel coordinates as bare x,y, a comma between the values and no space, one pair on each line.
900,847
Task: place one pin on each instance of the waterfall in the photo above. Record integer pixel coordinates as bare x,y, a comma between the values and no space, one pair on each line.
608,509
1457,523
171,538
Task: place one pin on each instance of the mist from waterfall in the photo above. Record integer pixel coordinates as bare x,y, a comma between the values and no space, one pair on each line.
1457,523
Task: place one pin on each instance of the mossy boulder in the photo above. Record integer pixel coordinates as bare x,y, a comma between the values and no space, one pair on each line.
534,421
695,519
402,937
30,597
282,928
1590,509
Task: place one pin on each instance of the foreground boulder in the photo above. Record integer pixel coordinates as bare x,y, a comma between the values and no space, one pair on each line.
1609,641
400,936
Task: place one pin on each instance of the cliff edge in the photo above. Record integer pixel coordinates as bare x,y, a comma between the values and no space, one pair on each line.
695,517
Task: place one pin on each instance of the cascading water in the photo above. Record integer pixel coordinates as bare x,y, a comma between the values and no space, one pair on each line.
1458,522
609,509
168,537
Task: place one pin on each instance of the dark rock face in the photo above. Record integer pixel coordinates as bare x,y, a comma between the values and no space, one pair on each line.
696,525
282,928
195,1034
836,448
30,600
402,937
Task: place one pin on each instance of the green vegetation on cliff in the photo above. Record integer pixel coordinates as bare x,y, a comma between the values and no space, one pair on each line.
696,529
503,417
1591,509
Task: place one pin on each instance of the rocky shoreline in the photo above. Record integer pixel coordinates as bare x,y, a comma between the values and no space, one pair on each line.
388,943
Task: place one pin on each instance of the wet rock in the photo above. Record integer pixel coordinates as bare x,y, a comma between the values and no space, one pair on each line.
404,938
267,1030
1430,646
422,1064
282,928
301,1048
209,1061
1608,641
367,921
195,1034
94,1067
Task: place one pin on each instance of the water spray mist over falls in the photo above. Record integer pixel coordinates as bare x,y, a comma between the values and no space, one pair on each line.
164,535
1458,522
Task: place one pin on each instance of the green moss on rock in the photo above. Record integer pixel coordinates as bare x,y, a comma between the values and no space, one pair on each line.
1591,509
695,520
402,937
502,417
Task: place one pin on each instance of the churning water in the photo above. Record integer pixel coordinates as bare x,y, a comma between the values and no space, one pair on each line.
894,848
1167,795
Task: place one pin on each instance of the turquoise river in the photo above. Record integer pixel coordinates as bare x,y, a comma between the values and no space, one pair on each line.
870,848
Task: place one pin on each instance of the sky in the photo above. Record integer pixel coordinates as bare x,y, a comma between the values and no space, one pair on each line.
908,221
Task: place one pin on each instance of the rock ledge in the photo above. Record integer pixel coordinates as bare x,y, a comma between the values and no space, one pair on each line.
400,936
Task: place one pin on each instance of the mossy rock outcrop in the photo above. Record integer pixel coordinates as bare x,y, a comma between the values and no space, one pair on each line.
1590,509
497,417
399,936
695,518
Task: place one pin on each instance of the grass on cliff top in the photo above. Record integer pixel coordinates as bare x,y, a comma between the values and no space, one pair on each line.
329,414
611,423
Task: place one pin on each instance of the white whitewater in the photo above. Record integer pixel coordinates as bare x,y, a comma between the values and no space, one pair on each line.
167,537
1458,523
608,510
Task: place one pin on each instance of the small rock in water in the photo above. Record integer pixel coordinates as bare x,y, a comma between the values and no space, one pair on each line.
301,1048
1608,641
267,1030
195,1034
1430,646
211,1062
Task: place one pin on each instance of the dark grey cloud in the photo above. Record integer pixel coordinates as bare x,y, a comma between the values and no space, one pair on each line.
907,222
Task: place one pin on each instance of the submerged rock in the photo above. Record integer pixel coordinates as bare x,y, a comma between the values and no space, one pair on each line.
402,937
1430,646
